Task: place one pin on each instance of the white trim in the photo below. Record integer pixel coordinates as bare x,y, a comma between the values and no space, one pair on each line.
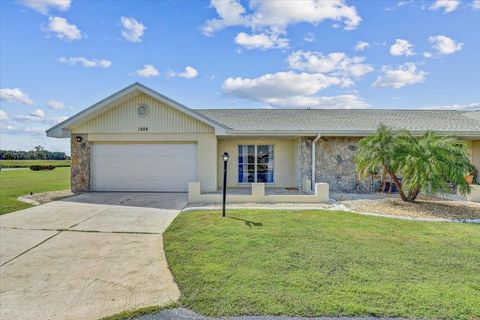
340,133
255,163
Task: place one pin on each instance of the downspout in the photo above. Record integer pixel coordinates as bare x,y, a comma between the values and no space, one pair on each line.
314,152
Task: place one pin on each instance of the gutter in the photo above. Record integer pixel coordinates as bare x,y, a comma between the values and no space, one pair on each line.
342,133
314,153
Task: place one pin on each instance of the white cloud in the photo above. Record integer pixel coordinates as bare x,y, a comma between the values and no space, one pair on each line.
231,13
399,4
445,45
15,95
348,101
337,63
62,29
43,6
361,45
401,47
289,89
471,106
37,113
55,104
280,84
427,54
277,15
56,120
188,73
260,41
476,4
132,29
147,71
39,117
3,115
87,63
310,37
445,5
22,130
403,75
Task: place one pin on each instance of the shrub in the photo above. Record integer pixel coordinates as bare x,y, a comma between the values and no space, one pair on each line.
39,167
428,163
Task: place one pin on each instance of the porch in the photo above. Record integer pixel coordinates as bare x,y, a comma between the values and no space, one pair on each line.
257,193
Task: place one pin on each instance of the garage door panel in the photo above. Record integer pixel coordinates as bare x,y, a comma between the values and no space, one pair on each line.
143,167
147,163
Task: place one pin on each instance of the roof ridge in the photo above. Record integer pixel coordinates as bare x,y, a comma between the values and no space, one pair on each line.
338,109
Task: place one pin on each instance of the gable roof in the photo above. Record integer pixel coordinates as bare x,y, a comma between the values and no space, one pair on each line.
344,121
62,130
328,122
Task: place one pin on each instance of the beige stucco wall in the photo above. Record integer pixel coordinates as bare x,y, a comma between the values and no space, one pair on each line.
284,160
206,154
476,156
161,119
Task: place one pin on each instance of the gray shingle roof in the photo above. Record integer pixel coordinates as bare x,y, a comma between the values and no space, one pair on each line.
345,120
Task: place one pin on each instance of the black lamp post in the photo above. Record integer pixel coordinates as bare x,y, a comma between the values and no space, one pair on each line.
225,160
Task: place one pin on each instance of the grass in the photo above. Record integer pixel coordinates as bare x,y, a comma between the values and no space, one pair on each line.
28,163
132,314
319,263
21,182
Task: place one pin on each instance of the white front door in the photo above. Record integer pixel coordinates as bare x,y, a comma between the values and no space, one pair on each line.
143,167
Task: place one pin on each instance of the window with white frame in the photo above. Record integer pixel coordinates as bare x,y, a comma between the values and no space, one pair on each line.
255,163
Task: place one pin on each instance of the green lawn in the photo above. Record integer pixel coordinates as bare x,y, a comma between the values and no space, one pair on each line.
313,263
21,182
28,163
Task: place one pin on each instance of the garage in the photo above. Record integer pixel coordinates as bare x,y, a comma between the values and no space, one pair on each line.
143,166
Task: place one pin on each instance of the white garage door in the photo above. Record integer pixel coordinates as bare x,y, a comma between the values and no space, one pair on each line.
143,167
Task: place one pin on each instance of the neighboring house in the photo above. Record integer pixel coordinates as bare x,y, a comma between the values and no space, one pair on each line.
140,140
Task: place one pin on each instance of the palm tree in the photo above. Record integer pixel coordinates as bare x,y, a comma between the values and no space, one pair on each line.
429,163
432,163
379,153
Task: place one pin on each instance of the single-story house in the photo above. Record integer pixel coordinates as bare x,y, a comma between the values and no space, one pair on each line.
140,140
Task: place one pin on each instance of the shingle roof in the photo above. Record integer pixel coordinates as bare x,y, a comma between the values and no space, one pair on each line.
345,120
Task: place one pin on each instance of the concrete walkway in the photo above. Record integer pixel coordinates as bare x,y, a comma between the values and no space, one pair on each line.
87,256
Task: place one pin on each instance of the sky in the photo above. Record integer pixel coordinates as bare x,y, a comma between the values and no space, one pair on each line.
58,57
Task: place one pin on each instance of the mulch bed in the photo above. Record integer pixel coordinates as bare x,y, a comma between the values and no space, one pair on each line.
422,208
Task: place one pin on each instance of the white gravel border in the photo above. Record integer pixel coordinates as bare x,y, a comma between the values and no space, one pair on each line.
328,207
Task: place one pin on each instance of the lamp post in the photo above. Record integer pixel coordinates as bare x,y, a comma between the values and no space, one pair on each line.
225,160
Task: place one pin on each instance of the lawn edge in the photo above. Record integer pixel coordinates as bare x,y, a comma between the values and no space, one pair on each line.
133,313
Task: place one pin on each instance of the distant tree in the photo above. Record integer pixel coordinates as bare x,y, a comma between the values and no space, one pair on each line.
429,163
37,153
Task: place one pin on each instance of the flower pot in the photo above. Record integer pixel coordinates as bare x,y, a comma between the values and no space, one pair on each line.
469,179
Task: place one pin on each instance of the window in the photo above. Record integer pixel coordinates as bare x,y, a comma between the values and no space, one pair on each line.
255,163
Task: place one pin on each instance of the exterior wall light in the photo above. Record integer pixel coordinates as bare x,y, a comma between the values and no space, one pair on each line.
78,138
225,160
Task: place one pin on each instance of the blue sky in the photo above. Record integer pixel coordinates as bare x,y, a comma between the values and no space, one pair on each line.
60,56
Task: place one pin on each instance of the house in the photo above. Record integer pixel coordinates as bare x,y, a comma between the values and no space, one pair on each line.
139,140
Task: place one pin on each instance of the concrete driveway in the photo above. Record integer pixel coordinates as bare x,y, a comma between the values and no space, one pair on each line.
87,256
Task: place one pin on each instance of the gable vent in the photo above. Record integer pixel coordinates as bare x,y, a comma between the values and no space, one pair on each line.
143,110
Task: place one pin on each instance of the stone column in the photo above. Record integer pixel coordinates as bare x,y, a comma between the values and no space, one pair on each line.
80,163
306,154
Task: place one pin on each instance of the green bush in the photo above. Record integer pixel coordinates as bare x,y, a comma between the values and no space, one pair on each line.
39,167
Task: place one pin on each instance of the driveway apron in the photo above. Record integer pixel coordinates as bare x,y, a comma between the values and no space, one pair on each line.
87,256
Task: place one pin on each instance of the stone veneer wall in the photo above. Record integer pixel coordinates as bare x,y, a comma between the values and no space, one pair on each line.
334,163
80,163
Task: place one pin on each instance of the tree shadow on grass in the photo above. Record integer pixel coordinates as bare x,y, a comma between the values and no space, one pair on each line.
249,223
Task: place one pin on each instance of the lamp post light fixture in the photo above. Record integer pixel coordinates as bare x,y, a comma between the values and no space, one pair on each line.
78,138
225,160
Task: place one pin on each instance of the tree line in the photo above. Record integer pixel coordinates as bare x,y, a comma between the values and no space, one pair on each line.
38,153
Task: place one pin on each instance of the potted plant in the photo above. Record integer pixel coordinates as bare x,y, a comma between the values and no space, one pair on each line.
471,178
